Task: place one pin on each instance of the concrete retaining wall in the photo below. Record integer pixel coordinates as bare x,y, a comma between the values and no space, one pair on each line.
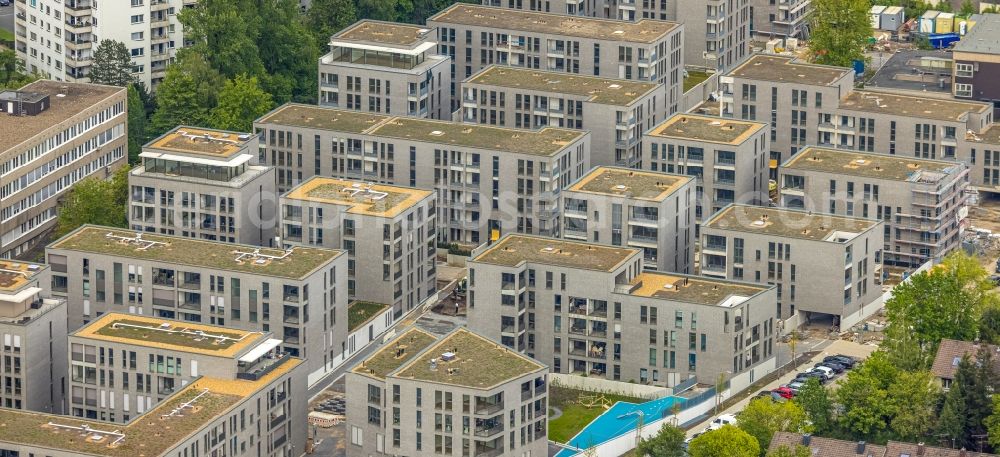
608,386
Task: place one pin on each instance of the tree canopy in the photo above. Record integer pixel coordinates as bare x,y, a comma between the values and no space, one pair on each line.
840,31
763,417
240,102
727,441
668,442
95,201
12,72
112,64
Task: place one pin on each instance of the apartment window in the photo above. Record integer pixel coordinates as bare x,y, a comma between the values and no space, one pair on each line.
137,19
963,90
963,70
137,36
136,2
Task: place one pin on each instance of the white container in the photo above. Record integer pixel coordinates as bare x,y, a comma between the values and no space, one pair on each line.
876,15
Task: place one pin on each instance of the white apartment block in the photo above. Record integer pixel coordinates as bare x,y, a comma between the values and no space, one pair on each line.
640,209
58,39
727,157
388,232
203,183
385,67
615,111
52,136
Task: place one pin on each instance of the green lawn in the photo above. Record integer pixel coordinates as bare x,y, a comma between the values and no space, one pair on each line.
6,35
574,415
694,78
361,311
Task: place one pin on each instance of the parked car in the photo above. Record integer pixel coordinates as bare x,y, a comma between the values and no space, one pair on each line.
803,377
836,367
725,419
4,2
847,362
796,386
785,392
827,372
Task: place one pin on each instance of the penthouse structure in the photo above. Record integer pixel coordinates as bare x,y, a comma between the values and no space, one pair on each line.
202,183
487,399
922,202
723,27
62,133
975,60
478,36
299,294
385,67
615,111
826,111
640,209
234,417
793,250
34,340
782,18
590,309
489,180
158,358
727,157
388,232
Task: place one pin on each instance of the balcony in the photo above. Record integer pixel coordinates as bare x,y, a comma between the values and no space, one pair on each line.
488,407
486,431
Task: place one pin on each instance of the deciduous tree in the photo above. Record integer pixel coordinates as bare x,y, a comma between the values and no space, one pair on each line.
240,103
95,201
668,442
727,441
177,102
785,451
763,417
815,401
136,124
327,17
840,31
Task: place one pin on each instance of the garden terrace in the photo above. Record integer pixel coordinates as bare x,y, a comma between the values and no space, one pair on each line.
626,182
513,249
594,89
699,290
361,312
707,128
15,275
542,142
477,362
171,335
360,198
201,142
315,117
296,263
791,223
787,69
395,353
388,33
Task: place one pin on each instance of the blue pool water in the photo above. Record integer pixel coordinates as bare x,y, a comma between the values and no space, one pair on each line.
621,418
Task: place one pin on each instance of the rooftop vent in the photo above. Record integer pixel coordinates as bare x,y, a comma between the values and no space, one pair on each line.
615,86
860,161
437,133
447,356
20,103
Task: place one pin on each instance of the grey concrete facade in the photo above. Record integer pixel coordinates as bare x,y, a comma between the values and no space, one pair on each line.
80,134
300,294
478,36
33,329
922,202
590,309
624,207
780,18
388,232
794,250
460,395
386,67
489,180
202,183
729,158
615,111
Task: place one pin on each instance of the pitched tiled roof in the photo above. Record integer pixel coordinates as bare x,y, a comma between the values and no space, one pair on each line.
897,449
826,447
950,352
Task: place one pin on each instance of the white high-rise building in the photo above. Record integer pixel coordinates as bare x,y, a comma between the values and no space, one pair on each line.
58,39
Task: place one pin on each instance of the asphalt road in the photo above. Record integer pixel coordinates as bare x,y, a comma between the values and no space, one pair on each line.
7,17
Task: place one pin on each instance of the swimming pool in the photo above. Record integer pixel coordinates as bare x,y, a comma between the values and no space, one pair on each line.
620,419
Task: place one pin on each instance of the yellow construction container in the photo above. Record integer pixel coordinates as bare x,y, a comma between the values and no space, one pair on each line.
944,23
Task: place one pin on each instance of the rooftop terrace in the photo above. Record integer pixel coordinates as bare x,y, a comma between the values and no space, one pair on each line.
395,353
202,142
360,198
544,142
707,128
169,334
788,70
150,434
295,263
699,290
474,362
903,105
315,117
77,98
990,136
513,249
389,33
15,275
361,312
869,165
625,182
641,31
782,222
620,92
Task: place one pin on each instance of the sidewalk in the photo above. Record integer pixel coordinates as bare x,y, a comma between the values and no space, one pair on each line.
858,351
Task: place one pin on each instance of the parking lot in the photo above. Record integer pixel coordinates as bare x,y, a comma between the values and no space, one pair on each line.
855,350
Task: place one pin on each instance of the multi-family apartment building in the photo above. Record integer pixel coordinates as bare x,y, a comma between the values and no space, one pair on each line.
34,339
388,232
976,62
591,309
615,111
385,67
825,110
640,209
461,394
478,36
728,158
794,250
54,134
123,365
921,201
780,18
58,39
489,180
299,294
203,183
247,416
723,26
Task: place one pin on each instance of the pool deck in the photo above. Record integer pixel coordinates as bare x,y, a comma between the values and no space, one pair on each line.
614,423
